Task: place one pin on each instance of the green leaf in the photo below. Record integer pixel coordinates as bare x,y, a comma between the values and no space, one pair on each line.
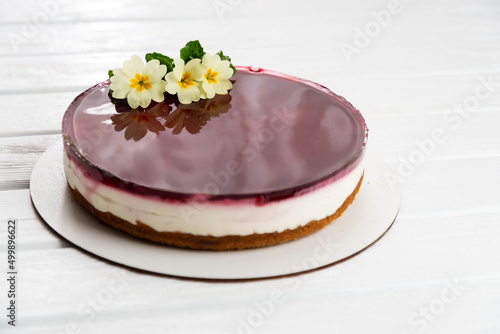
164,60
192,50
224,57
110,73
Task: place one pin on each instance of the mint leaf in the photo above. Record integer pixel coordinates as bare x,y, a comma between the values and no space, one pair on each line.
164,60
224,57
110,74
192,50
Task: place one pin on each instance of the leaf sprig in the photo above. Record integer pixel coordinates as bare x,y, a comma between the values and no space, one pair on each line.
164,60
192,50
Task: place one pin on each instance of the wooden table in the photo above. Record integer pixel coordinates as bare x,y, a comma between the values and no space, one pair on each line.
425,75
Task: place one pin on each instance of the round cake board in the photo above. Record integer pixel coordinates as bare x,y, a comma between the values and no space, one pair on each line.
365,221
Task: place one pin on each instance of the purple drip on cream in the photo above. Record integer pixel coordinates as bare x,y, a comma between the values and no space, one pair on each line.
279,137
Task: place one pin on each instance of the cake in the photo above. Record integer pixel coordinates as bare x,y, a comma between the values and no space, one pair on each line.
275,159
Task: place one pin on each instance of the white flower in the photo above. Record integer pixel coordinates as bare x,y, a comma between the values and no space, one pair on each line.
185,80
139,83
216,77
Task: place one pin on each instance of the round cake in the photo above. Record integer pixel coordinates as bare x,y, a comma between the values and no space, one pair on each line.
276,159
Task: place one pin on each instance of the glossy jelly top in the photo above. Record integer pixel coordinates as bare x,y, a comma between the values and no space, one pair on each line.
271,137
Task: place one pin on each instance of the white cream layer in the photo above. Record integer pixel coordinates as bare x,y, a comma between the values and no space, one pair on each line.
215,218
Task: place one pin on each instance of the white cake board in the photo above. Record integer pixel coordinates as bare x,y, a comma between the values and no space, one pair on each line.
362,224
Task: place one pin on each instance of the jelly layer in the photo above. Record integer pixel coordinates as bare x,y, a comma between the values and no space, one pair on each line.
273,137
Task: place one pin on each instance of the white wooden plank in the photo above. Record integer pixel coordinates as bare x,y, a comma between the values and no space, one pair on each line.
336,23
29,114
129,10
428,59
33,234
95,10
16,204
18,155
393,44
450,186
374,82
434,135
379,284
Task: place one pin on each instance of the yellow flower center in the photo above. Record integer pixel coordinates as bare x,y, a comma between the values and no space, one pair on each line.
186,81
140,82
211,76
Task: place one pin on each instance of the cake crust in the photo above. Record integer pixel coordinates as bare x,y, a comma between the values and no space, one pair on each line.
199,242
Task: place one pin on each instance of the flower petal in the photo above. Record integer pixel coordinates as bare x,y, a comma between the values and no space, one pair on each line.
134,99
120,85
223,86
188,95
196,69
145,98
157,91
155,71
211,61
118,72
224,69
203,94
119,92
178,68
133,66
208,88
172,86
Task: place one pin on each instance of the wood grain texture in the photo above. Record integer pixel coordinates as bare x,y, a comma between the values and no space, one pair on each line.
18,155
428,61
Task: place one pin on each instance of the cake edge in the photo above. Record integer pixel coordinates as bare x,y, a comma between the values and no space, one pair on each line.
200,242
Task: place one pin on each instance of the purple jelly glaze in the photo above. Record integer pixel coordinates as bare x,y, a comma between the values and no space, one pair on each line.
281,137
